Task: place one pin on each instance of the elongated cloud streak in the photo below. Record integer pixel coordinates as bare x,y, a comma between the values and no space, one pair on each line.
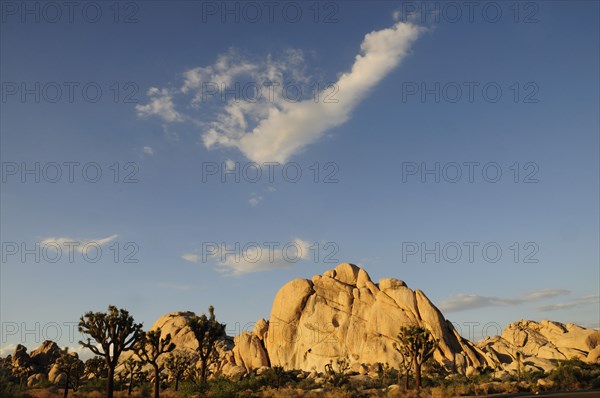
277,129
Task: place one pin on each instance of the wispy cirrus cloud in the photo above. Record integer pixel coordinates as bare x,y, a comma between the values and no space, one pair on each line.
583,301
462,302
273,128
79,244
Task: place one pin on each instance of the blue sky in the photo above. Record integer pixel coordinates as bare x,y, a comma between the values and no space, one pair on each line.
369,205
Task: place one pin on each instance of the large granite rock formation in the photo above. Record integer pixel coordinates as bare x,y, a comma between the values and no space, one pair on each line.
343,313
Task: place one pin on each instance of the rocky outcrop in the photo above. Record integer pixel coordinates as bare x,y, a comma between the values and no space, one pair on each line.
20,358
237,355
343,313
540,344
43,357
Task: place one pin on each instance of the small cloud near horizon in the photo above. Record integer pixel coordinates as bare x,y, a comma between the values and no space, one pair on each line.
82,243
462,302
583,301
191,257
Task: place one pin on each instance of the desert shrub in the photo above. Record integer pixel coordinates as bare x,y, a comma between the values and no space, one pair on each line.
145,390
9,389
574,374
93,385
532,376
307,384
275,377
188,389
221,387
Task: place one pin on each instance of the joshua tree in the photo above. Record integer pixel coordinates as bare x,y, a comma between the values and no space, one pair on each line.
279,374
417,345
404,365
132,368
207,332
115,332
96,366
72,367
177,363
149,348
382,371
338,377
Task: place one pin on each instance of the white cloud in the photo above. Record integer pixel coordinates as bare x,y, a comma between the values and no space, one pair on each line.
586,300
161,104
255,199
260,258
275,128
191,257
230,165
463,302
7,349
78,244
148,150
547,293
291,126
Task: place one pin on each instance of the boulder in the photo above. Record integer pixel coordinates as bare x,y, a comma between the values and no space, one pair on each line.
260,328
44,356
55,376
249,352
35,379
594,355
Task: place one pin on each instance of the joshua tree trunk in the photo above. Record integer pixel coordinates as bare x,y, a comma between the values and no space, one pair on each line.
130,383
203,373
407,378
176,382
66,393
417,375
110,382
156,381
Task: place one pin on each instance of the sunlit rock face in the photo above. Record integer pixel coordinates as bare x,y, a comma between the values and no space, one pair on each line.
343,313
540,344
